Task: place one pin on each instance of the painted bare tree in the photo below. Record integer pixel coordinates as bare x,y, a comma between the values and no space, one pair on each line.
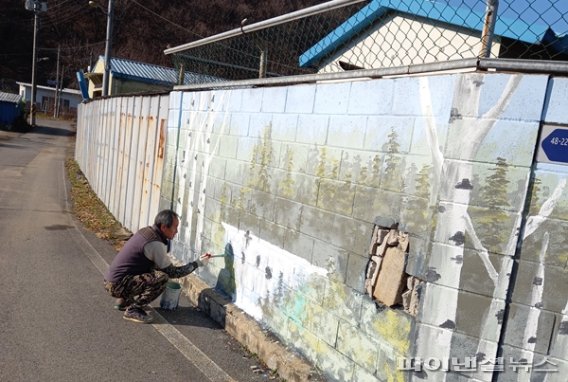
491,328
502,280
472,130
535,308
200,143
560,347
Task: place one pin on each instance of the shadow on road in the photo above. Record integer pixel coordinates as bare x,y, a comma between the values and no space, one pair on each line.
12,146
189,316
53,131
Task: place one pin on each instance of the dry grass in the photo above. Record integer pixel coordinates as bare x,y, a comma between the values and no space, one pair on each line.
91,211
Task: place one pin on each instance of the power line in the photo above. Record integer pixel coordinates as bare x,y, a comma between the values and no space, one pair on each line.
54,20
166,20
59,4
67,49
74,48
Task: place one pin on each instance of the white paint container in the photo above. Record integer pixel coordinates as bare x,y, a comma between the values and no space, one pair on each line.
170,297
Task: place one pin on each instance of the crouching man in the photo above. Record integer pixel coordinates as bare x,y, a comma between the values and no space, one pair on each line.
139,272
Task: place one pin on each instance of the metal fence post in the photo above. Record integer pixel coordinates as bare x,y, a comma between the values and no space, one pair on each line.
263,62
488,28
181,75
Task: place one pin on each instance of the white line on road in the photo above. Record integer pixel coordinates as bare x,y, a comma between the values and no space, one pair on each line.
205,364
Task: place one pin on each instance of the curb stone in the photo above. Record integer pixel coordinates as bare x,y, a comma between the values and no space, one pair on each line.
248,332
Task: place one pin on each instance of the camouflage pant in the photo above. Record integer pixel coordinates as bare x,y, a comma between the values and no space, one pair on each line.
140,289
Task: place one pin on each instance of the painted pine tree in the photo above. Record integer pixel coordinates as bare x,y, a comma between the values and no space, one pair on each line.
410,179
287,183
375,171
265,159
418,209
536,190
490,223
392,179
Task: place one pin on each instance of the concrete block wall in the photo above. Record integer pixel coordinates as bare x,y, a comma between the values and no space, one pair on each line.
537,327
287,183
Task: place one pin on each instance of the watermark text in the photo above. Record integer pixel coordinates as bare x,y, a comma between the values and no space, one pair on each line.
472,365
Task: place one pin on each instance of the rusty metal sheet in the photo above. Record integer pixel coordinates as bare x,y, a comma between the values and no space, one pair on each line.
131,171
115,160
99,163
120,147
148,161
107,133
112,150
139,156
160,154
126,126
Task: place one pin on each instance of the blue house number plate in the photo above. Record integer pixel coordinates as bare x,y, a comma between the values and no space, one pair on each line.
553,145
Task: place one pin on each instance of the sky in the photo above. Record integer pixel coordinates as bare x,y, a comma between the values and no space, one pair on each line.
550,12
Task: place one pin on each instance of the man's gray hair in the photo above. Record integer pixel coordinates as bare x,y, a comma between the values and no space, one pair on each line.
166,218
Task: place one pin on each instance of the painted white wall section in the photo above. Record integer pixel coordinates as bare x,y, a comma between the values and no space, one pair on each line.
261,268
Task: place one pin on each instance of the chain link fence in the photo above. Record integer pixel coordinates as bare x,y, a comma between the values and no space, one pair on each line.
344,35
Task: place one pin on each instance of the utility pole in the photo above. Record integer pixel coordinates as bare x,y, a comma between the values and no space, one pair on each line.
36,6
108,45
60,90
56,99
34,70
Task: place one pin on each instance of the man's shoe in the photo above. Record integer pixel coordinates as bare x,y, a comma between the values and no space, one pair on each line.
120,304
137,314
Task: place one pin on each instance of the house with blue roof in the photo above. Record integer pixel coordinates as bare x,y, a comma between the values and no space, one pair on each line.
135,77
387,33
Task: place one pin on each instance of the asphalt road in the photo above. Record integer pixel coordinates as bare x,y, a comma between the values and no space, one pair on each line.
56,319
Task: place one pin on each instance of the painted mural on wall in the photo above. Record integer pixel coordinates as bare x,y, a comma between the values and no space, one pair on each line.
290,195
489,225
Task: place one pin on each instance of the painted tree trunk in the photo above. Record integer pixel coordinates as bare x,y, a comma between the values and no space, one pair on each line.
210,146
531,329
194,169
186,175
560,348
440,317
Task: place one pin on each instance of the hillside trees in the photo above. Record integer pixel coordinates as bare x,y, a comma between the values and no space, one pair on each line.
141,30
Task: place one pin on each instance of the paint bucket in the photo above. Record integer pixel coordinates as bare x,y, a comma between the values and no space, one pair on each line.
170,297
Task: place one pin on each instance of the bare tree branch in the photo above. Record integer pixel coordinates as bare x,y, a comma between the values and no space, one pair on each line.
534,222
481,251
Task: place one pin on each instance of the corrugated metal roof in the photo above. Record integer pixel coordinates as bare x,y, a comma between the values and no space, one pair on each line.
467,18
9,97
129,69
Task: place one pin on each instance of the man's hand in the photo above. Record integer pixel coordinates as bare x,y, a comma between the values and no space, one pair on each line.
204,259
